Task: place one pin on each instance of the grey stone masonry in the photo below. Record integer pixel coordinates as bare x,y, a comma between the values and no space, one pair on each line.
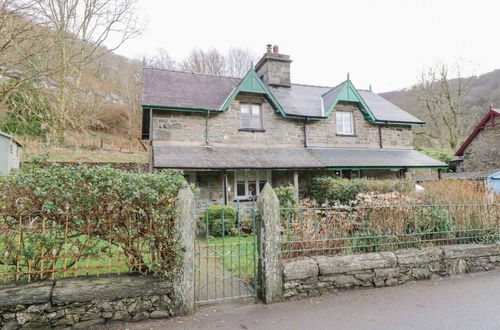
82,303
483,153
312,276
185,223
270,279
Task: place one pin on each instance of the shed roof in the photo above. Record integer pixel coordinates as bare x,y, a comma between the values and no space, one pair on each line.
208,157
10,137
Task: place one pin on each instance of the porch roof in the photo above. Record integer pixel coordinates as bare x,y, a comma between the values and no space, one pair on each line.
212,157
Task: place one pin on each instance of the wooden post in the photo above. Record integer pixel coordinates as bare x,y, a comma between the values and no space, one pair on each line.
296,184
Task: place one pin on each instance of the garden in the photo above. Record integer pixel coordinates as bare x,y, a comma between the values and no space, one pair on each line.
58,221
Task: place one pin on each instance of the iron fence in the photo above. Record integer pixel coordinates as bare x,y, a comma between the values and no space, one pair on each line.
335,229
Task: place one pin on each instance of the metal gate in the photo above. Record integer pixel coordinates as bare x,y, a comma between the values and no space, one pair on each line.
225,253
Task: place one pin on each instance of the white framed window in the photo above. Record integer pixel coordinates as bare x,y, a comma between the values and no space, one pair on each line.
251,116
249,184
344,121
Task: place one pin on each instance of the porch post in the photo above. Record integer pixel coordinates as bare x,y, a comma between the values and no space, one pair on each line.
296,184
224,185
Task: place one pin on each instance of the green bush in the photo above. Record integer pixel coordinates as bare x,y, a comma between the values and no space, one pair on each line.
444,155
221,220
434,223
332,189
92,210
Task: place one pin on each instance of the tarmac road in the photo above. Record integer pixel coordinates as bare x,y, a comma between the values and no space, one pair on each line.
469,301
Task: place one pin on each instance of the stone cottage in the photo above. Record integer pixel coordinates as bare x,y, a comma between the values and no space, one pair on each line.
480,153
232,135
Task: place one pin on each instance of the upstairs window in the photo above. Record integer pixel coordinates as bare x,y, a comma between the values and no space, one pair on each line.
345,124
251,116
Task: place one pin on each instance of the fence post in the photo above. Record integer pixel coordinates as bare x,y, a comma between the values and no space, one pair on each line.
270,273
185,223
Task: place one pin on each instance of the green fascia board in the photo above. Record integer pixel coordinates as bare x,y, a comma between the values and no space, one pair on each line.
384,168
251,83
174,108
349,93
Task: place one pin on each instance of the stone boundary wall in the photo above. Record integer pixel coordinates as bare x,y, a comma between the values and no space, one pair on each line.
313,276
81,303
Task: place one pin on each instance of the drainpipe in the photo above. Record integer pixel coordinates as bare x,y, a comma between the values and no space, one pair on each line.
305,132
224,184
380,136
206,127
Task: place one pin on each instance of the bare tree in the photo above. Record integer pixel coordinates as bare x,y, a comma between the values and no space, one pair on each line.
83,30
239,61
208,62
23,48
443,101
161,59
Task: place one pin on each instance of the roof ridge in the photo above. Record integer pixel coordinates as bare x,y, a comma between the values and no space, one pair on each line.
310,85
188,72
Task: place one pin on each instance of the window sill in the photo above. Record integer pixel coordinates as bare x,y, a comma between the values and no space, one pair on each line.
252,130
348,135
244,200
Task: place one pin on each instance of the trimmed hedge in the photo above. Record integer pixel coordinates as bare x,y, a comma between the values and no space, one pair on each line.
332,189
81,212
220,220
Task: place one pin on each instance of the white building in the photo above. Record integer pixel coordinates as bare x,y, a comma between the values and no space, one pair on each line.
9,153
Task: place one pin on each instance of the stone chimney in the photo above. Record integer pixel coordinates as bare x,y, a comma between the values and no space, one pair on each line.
274,68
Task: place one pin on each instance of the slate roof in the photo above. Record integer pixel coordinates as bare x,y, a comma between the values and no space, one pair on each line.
205,157
301,100
165,88
384,110
182,89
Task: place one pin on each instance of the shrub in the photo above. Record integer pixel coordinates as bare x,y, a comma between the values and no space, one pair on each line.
286,196
443,155
343,190
221,220
85,213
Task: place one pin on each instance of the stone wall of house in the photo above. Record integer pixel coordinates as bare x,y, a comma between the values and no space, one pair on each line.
83,302
312,276
397,137
483,153
224,128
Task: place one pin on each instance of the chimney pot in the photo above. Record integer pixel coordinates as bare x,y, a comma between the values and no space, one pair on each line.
276,49
268,48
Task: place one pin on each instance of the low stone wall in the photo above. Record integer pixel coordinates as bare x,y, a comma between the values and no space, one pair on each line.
312,276
81,303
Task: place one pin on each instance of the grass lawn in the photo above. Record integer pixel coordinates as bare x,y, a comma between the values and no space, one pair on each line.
236,254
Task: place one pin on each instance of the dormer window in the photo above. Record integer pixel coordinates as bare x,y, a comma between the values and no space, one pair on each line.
251,116
344,121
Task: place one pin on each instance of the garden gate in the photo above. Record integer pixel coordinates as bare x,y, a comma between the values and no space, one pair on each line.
225,253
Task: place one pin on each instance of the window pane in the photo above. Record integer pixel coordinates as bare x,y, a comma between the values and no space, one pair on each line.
256,116
240,188
245,115
338,120
347,122
252,188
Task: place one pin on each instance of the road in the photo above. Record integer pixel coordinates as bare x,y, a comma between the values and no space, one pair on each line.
470,301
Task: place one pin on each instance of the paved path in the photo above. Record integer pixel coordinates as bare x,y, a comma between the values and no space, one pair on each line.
213,280
461,302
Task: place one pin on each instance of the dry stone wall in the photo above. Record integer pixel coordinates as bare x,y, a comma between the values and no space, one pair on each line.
313,276
81,303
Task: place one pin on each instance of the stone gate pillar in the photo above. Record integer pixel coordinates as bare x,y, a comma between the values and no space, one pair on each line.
183,283
270,273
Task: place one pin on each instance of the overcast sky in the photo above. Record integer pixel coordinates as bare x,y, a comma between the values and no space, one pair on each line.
386,43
